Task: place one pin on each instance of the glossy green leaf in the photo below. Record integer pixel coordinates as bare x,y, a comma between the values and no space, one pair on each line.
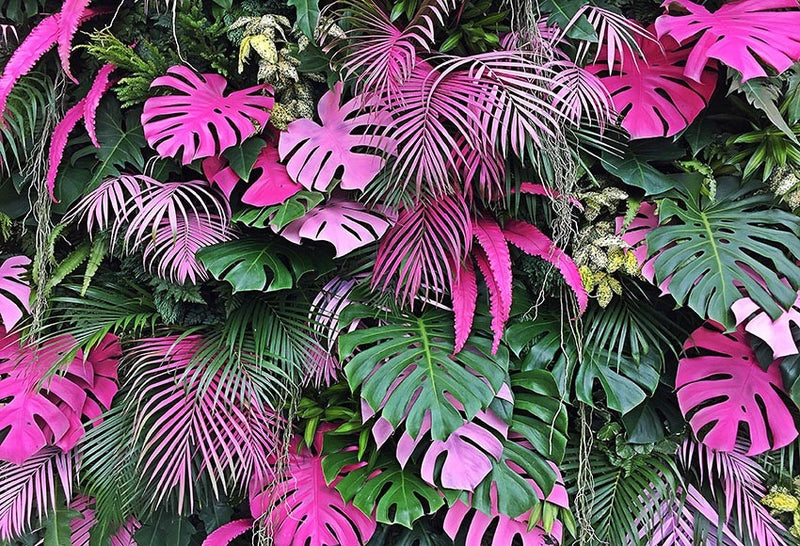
307,15
242,158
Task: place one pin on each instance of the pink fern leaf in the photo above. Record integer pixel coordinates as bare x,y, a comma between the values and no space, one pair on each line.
654,96
532,241
31,489
531,188
305,510
40,40
493,241
224,535
171,253
272,184
347,225
498,310
102,83
316,154
199,120
58,141
742,35
465,295
15,293
724,386
71,14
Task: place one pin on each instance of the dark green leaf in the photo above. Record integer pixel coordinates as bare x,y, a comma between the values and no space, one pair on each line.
633,170
307,15
56,527
165,529
242,158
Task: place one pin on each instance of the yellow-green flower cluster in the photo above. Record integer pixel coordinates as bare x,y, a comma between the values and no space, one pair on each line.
781,500
601,255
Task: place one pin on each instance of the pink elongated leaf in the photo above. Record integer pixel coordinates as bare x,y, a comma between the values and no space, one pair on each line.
724,386
538,189
58,141
652,93
199,120
15,293
217,171
468,454
465,296
346,224
499,311
40,40
71,14
775,333
171,253
421,252
102,83
532,241
46,409
580,95
316,154
742,35
224,535
304,510
493,242
483,167
111,202
31,489
272,185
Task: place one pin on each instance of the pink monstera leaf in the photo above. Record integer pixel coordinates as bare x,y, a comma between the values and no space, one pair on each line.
652,93
272,184
346,224
723,386
199,120
776,333
316,154
47,410
15,293
742,35
217,171
304,510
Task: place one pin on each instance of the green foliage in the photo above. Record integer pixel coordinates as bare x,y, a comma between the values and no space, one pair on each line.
165,529
280,215
241,158
307,12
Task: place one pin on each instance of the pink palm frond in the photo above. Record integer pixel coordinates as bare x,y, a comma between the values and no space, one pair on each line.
580,94
111,203
422,251
30,490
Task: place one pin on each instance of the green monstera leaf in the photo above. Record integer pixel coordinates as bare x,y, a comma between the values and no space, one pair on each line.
708,248
416,371
255,264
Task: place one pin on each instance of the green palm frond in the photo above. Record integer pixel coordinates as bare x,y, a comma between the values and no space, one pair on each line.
24,117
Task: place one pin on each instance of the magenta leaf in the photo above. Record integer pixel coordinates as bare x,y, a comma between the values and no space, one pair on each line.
316,154
272,185
493,242
306,511
465,294
347,225
72,12
532,241
653,94
499,312
468,454
724,386
15,293
51,414
199,120
102,83
81,526
742,35
58,141
217,171
776,333
224,535
37,43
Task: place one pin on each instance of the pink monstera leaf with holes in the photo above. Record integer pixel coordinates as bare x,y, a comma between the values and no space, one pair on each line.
15,293
652,93
344,145
47,410
744,35
346,224
776,333
721,385
198,119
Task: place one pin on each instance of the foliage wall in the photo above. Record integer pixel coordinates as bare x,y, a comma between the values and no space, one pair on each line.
407,272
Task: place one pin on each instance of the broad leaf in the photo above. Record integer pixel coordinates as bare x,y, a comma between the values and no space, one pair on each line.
415,374
242,158
721,385
272,185
15,293
652,93
711,248
742,35
777,333
278,216
256,264
199,119
316,154
307,12
635,171
347,225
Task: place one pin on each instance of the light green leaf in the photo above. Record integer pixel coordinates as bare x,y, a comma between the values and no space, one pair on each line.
307,15
56,526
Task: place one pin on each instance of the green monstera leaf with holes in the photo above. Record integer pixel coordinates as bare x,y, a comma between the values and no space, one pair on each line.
706,249
416,371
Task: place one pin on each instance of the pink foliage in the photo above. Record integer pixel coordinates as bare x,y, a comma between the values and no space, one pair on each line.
272,185
776,333
316,154
47,410
657,99
199,120
100,86
15,293
724,386
465,295
346,224
224,535
72,11
58,141
217,171
304,510
635,234
742,35
82,526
